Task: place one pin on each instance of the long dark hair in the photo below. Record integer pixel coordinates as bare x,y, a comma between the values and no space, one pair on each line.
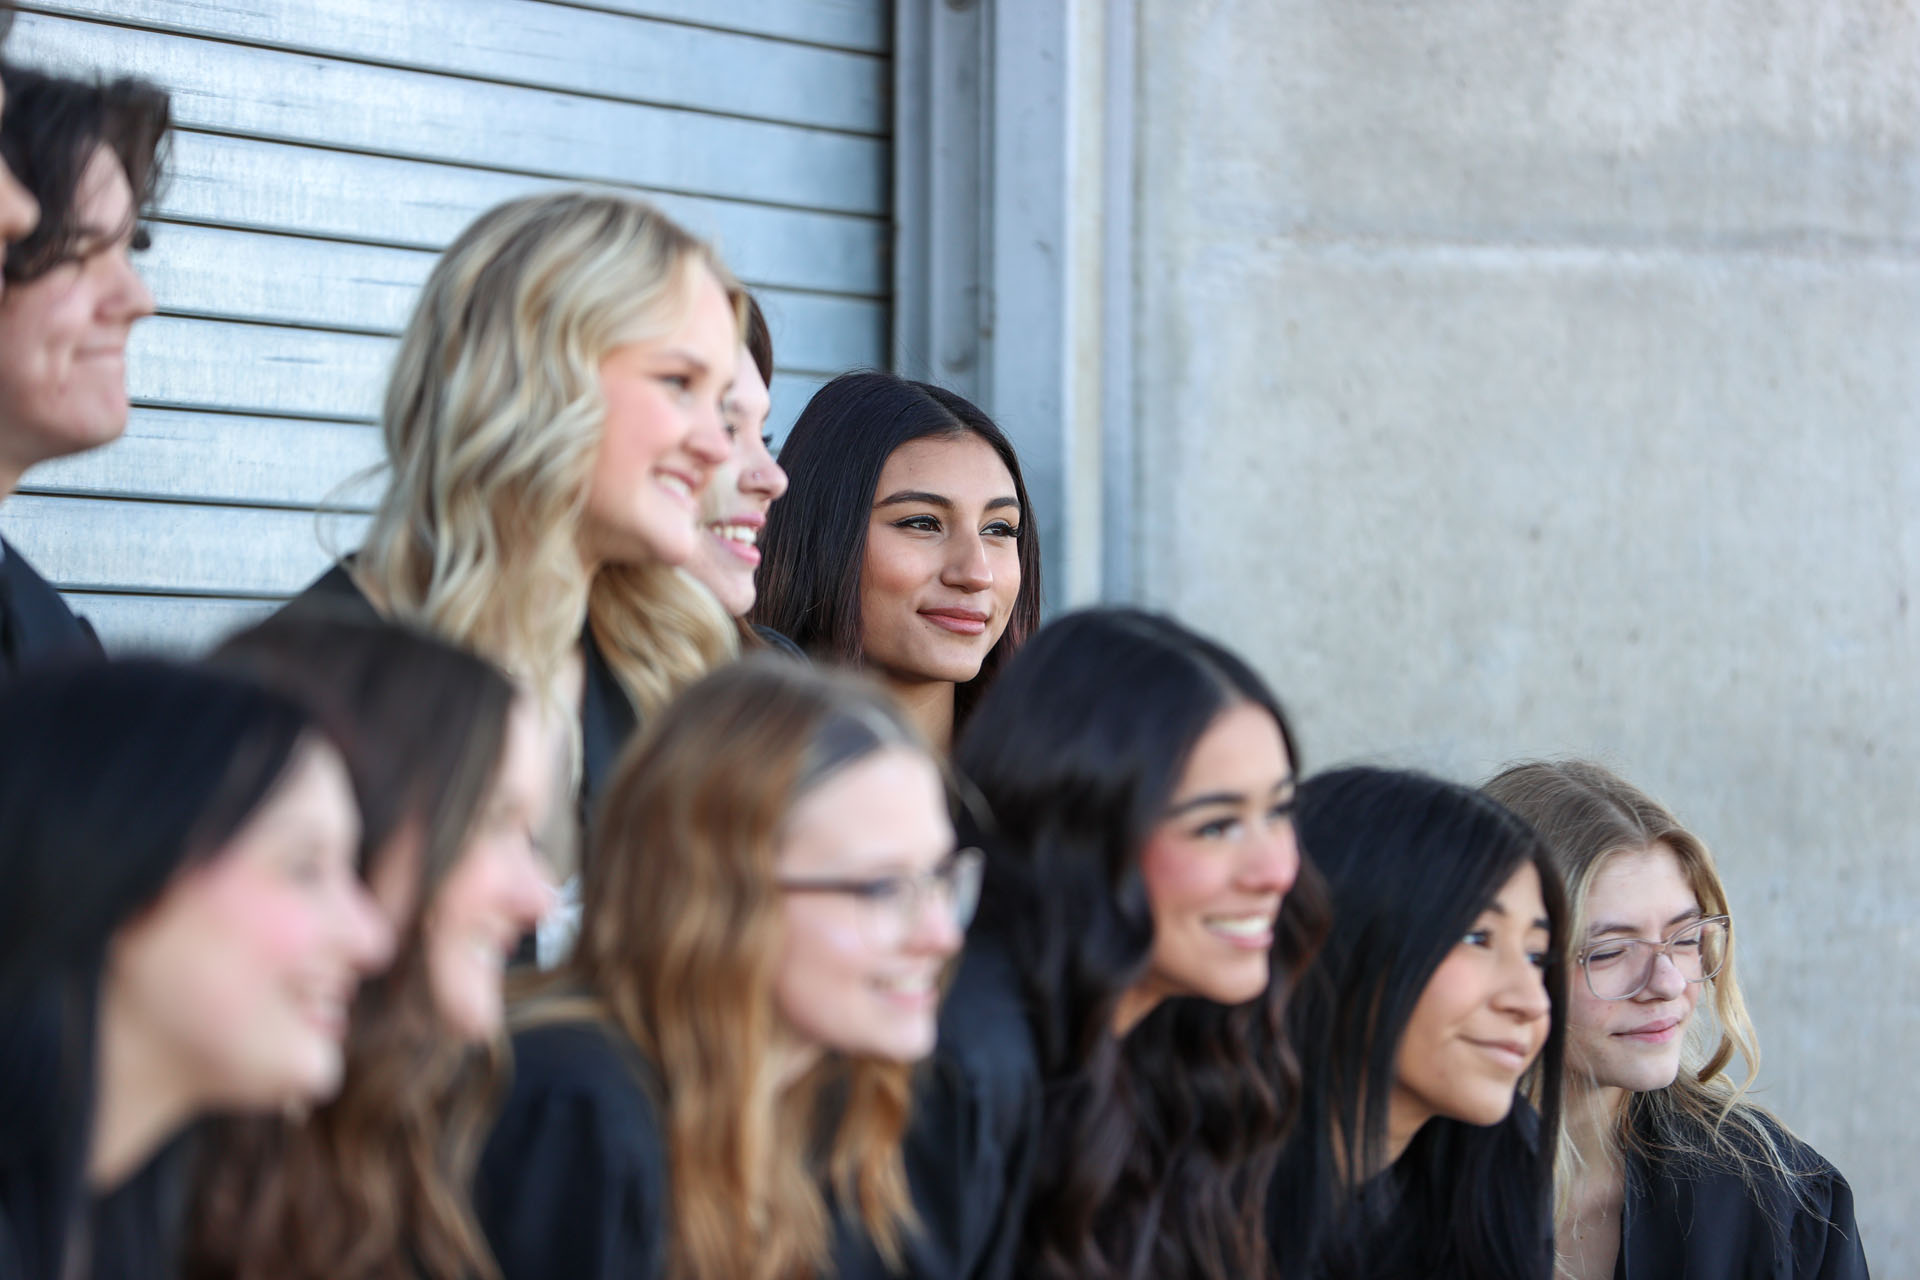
373,1183
815,541
1155,1149
1411,862
114,778
51,128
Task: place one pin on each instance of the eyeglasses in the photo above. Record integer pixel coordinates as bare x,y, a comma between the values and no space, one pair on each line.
1621,968
890,906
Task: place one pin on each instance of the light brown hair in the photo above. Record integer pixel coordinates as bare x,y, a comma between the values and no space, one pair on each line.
678,950
372,1185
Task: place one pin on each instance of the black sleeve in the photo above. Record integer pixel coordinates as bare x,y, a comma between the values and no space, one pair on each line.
1826,1245
572,1181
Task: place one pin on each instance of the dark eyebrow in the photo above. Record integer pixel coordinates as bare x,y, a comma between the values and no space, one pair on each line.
1599,929
1215,798
915,495
998,503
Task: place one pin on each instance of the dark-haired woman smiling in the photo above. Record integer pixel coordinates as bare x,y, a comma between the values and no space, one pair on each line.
1099,1105
905,544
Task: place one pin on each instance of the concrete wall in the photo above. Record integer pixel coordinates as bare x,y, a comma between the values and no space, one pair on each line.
1522,377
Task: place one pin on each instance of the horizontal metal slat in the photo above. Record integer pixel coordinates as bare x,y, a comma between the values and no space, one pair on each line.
178,626
849,24
106,544
274,186
263,93
331,284
584,51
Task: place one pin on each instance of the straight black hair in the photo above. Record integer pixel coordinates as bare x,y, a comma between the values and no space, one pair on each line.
815,542
1155,1148
52,126
1411,861
114,777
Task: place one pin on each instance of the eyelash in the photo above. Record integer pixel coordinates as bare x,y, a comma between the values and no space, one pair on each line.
920,524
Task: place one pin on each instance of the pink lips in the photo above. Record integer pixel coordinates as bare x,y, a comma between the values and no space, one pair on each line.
1512,1053
962,622
1653,1032
748,553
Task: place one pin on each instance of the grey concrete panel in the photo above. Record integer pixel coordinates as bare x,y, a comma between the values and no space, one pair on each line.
548,46
1520,387
184,626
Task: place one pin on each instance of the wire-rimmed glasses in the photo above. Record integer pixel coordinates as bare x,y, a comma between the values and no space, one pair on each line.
1621,968
890,906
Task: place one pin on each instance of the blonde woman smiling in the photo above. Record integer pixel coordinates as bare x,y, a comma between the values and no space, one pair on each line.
1665,1168
552,419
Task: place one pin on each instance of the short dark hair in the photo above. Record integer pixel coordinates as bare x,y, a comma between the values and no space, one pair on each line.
815,541
51,128
759,340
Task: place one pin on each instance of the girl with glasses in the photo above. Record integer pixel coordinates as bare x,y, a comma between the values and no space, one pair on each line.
1665,1168
1100,1104
716,1083
1439,990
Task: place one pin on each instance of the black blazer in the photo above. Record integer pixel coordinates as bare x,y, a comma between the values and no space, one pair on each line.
1685,1216
35,624
975,1131
607,718
573,1180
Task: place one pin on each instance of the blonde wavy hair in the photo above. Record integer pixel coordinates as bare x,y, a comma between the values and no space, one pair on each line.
679,949
493,419
1586,814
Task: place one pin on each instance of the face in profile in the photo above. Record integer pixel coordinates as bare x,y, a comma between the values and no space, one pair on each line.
874,904
664,433
241,974
499,888
1634,1043
942,565
1220,862
19,213
63,336
742,490
1482,1017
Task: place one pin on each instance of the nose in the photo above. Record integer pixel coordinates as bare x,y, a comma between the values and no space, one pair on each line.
932,931
1666,982
128,299
1523,994
1272,861
967,568
366,931
532,894
19,211
761,475
708,441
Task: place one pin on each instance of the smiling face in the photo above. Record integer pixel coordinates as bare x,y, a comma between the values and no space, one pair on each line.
1635,1043
743,489
63,336
860,974
664,433
240,975
1219,864
19,213
942,564
1481,1020
499,888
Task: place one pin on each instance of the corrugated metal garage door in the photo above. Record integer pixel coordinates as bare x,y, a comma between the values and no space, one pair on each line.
327,149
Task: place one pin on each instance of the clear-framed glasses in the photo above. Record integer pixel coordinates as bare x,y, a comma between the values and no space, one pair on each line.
1621,968
889,906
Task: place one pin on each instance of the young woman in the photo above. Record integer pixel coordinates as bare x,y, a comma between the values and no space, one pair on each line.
184,933
89,154
733,510
717,1081
455,777
1665,1168
553,416
1100,1104
906,546
1439,988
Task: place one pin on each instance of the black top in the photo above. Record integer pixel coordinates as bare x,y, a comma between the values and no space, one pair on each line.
1686,1216
573,1181
975,1129
35,624
607,718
